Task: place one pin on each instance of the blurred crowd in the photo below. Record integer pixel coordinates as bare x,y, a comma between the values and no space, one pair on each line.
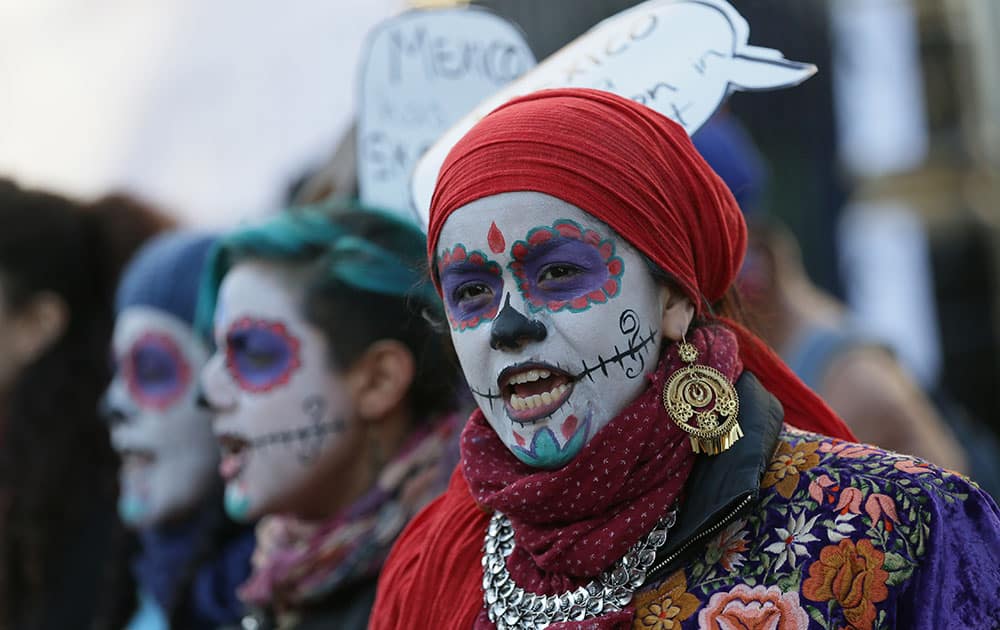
230,429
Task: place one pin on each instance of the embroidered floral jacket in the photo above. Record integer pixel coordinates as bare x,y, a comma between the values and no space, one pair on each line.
832,535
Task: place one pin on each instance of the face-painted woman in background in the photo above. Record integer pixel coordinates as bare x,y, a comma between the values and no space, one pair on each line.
629,465
192,557
332,398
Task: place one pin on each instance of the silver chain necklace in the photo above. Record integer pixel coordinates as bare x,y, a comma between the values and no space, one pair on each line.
511,607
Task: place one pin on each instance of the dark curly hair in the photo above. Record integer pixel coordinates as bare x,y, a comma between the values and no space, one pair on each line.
57,468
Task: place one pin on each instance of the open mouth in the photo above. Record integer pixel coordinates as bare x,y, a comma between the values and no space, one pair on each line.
234,449
533,391
137,458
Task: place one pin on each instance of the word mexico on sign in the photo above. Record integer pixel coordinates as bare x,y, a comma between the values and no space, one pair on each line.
679,57
421,72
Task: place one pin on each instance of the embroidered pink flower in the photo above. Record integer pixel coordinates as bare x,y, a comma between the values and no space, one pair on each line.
758,607
850,501
847,449
879,505
912,466
728,546
822,489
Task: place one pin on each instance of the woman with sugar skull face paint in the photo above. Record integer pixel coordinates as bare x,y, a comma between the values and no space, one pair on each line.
191,557
639,458
333,403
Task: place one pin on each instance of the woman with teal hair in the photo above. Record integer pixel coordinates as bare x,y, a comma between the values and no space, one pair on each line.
333,397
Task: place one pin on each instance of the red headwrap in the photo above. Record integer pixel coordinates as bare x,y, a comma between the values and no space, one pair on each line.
638,172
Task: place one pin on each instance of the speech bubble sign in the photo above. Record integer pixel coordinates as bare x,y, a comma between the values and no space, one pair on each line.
679,57
421,72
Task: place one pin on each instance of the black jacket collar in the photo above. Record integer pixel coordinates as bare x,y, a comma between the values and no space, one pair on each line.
723,486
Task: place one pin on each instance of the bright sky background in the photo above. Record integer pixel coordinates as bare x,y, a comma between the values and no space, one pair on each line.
207,107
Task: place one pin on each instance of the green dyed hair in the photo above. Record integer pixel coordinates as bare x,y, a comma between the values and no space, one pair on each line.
367,250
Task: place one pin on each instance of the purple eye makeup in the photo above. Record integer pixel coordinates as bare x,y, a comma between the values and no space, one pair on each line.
261,354
566,267
471,284
155,371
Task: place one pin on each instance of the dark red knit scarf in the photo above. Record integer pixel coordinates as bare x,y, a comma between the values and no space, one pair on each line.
573,523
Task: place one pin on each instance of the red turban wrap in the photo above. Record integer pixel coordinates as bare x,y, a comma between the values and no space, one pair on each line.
638,172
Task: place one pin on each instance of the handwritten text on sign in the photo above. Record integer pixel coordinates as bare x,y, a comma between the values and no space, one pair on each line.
679,57
423,71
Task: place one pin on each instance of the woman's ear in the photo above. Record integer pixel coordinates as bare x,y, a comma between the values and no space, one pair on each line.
381,378
678,311
38,325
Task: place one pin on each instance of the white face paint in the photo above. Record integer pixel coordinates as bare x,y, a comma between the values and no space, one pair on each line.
169,457
282,412
555,319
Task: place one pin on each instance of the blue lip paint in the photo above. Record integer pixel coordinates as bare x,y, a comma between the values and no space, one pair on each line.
237,503
131,508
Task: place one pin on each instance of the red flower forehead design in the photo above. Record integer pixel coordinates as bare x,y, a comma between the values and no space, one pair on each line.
569,230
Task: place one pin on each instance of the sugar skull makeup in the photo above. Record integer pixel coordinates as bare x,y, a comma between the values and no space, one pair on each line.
554,317
280,407
169,458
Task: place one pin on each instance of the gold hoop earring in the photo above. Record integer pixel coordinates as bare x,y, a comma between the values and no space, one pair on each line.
703,403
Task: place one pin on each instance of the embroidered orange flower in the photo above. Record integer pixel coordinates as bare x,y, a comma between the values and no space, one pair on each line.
665,607
912,466
728,546
787,463
849,450
758,607
851,575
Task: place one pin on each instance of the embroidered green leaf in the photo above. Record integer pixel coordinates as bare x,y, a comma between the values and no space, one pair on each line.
791,582
817,616
898,577
894,562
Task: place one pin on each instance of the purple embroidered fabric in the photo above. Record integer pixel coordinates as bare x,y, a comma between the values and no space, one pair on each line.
844,536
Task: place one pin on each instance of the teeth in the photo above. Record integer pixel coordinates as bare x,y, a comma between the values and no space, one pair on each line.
529,376
518,403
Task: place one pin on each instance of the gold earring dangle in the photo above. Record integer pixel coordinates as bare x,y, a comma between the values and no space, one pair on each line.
703,403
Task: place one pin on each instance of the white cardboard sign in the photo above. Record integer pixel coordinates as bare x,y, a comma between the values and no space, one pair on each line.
421,72
679,57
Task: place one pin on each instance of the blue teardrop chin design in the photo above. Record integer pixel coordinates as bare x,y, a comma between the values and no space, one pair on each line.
237,503
131,508
545,451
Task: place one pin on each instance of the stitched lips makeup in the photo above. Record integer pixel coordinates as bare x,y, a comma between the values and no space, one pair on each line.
532,391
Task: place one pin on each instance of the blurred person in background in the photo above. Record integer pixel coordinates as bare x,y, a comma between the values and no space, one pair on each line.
59,265
334,403
191,556
811,330
857,374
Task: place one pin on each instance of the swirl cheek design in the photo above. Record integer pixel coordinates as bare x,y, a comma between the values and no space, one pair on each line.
261,355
